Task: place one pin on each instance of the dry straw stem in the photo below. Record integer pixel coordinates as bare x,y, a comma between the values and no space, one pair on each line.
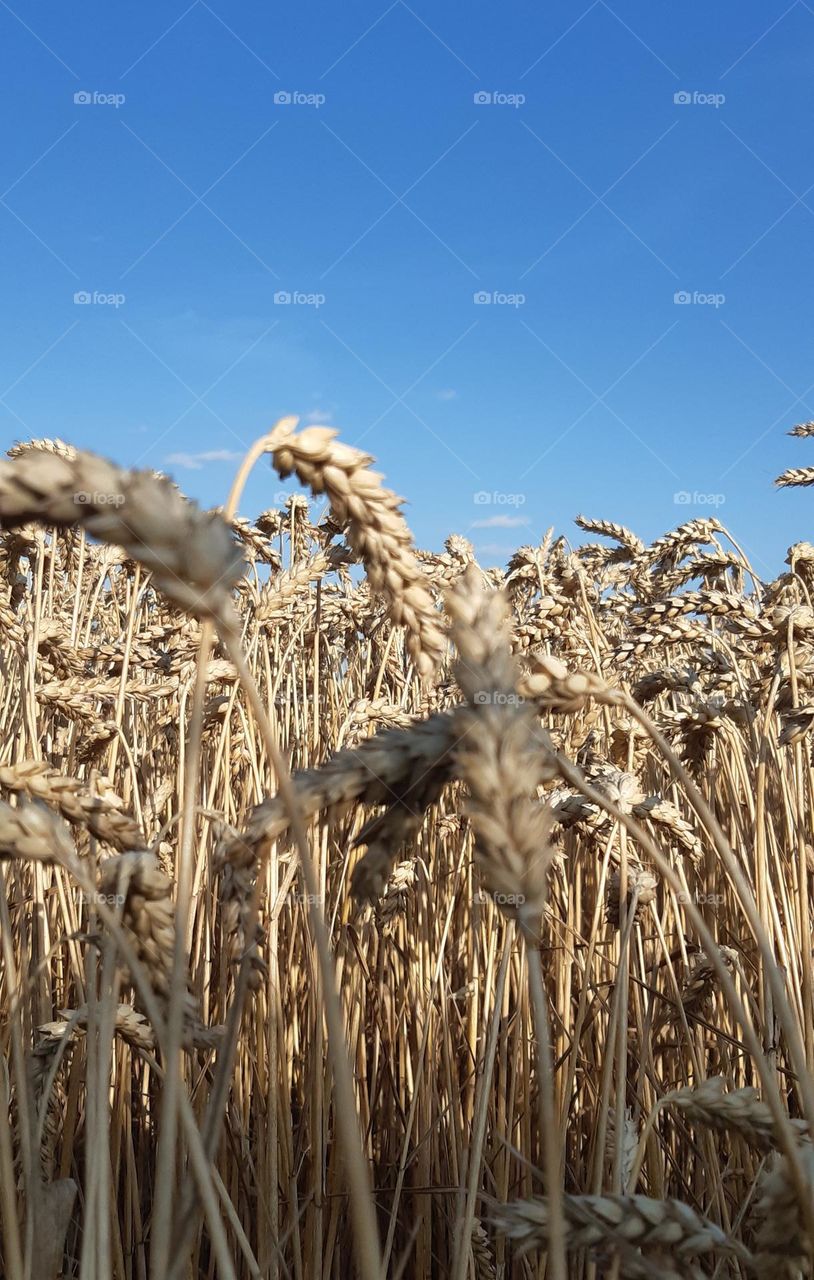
377,531
720,962
362,1212
366,1237
361,1204
191,554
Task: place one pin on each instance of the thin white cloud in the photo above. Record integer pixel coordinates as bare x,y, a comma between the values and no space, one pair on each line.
318,416
447,393
493,549
195,461
500,522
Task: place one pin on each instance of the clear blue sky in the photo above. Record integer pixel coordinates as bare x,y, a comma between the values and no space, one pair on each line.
398,198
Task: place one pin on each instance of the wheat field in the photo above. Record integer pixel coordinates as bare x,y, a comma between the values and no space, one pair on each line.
364,912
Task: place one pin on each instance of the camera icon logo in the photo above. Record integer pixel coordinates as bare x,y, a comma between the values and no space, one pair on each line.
481,99
282,297
82,98
682,98
482,297
82,298
282,98
681,297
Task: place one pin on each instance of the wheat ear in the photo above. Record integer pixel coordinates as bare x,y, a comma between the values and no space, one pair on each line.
101,814
621,1221
502,754
783,1236
377,531
191,554
738,1110
34,833
375,772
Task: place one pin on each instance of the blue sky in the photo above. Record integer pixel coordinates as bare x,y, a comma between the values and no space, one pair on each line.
382,197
